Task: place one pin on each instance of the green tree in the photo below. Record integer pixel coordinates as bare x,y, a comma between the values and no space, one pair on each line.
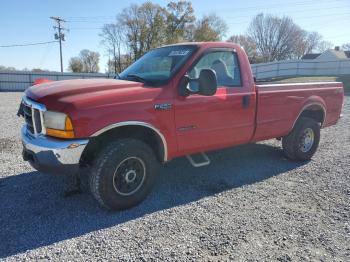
209,28
144,27
180,15
139,28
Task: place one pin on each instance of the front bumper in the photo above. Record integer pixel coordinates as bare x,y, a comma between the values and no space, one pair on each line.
52,155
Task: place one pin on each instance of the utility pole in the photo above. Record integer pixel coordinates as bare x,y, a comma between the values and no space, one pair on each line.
59,35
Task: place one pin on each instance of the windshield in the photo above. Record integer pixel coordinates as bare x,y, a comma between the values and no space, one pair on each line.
158,65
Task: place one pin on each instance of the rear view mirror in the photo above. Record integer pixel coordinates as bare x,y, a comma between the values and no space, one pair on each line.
205,85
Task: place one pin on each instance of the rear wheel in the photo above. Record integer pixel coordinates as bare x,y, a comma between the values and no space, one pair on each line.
302,142
123,174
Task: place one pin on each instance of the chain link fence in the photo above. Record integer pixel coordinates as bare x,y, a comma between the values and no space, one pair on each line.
20,80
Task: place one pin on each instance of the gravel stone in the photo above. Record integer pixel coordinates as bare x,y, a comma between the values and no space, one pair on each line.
250,204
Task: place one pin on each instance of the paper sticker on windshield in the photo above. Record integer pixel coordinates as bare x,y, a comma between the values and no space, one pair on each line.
179,53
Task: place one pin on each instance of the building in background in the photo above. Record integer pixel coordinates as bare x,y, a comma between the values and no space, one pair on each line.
330,54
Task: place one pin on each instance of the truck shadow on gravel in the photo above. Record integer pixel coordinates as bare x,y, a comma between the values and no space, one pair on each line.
34,213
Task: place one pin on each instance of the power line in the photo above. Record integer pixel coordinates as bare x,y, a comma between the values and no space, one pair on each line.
241,18
309,11
310,3
302,3
29,44
244,21
299,18
93,20
44,56
100,20
86,28
90,17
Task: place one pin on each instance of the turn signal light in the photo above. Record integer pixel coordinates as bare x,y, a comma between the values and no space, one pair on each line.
68,126
60,133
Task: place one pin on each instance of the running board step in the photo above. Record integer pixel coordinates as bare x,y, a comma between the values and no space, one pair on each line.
201,159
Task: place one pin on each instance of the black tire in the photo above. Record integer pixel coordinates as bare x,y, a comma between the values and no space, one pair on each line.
293,144
111,170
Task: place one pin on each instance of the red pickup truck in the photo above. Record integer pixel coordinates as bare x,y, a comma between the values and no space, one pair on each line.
177,100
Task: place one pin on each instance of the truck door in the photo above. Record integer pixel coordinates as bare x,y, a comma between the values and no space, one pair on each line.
225,119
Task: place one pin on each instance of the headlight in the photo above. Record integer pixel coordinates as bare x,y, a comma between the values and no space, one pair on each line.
58,125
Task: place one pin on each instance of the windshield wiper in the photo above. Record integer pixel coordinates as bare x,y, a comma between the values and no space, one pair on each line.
137,77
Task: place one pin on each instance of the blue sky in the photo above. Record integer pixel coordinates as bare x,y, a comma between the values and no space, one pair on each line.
28,22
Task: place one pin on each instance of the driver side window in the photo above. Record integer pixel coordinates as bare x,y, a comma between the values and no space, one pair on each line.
224,63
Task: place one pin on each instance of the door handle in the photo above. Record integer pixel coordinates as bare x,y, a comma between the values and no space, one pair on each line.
246,101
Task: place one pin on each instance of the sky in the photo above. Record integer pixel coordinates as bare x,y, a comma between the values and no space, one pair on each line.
25,21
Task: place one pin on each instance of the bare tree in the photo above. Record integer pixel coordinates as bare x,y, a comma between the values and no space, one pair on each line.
346,47
75,65
113,38
90,60
248,45
209,28
275,37
179,17
324,46
86,62
313,41
124,59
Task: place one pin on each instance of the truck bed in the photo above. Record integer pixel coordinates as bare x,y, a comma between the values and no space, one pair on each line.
279,105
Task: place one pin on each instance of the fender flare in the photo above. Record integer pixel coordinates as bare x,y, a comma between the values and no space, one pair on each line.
137,123
305,107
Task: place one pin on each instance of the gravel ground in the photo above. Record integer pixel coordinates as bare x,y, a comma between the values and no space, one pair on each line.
250,204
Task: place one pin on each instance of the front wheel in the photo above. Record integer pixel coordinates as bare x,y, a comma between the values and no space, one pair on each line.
123,174
302,142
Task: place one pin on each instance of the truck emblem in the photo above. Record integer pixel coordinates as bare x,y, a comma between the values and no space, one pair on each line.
165,106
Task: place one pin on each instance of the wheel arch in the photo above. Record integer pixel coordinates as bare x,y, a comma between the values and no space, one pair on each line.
314,110
128,129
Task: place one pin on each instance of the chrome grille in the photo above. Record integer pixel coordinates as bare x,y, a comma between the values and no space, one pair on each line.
37,121
33,116
27,110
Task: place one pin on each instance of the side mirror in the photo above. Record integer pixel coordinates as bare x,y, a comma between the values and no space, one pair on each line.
207,82
205,85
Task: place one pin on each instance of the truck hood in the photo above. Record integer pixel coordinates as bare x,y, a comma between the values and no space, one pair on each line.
57,90
93,104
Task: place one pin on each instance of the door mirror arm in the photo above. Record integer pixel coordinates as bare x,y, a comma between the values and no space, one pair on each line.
184,89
